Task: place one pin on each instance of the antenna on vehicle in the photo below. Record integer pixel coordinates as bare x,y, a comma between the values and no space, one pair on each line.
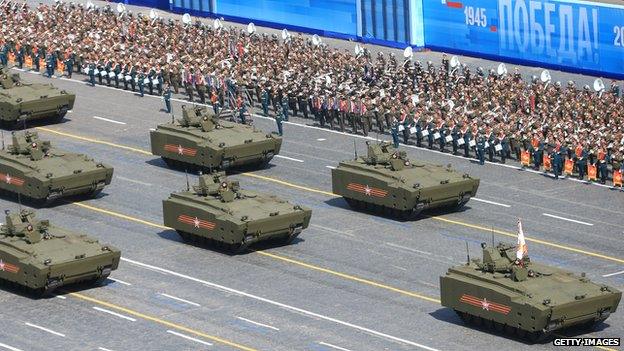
188,186
355,150
19,201
492,236
467,254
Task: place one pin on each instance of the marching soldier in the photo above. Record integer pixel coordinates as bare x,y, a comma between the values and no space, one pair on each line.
134,79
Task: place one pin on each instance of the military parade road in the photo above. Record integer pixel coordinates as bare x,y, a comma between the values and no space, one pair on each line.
352,281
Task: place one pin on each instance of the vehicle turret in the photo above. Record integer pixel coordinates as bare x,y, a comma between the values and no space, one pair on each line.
200,141
386,181
41,257
33,168
218,212
21,102
507,291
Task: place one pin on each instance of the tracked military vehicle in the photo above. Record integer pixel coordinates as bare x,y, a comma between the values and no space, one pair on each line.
21,102
524,298
217,212
41,257
32,168
386,181
200,140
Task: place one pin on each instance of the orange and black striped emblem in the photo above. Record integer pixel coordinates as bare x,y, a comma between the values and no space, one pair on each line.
196,222
367,190
485,304
7,267
7,178
180,150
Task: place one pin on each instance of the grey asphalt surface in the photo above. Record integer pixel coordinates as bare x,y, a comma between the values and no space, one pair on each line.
311,306
353,281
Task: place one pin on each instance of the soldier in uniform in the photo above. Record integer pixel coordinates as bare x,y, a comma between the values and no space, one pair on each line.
200,84
580,155
264,97
50,64
394,131
189,83
279,119
91,71
142,76
481,148
301,102
4,53
133,77
284,103
70,60
167,97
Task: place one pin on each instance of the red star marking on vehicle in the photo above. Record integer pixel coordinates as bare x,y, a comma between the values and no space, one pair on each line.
485,304
8,179
180,150
196,222
367,190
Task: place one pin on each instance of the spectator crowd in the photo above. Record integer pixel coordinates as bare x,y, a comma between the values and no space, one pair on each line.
552,126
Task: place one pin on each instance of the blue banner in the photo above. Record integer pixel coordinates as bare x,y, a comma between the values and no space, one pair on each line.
338,16
575,36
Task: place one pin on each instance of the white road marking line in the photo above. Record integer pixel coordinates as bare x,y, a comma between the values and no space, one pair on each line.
104,349
181,300
120,281
256,323
133,181
60,297
331,167
9,347
289,158
397,267
612,274
490,202
321,139
45,329
566,219
282,305
333,346
341,133
114,314
409,249
109,120
189,338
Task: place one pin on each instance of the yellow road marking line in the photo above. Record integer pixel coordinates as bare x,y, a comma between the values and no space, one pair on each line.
348,277
120,215
162,322
514,235
97,141
274,256
327,193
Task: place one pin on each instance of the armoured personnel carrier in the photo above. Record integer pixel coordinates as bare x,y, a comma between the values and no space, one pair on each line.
21,102
219,213
386,181
200,140
523,298
41,257
32,168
